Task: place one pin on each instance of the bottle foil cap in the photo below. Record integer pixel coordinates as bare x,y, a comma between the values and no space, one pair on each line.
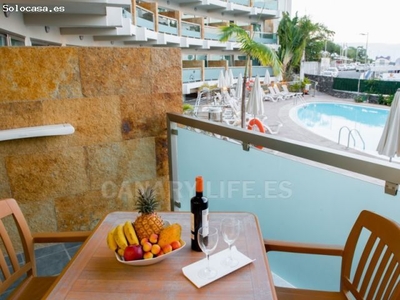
199,184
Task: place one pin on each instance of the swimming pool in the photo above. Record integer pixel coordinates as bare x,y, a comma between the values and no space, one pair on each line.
337,120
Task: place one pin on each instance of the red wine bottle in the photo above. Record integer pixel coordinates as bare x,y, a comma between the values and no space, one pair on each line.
199,212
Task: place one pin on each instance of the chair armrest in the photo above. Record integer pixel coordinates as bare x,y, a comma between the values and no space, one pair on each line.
60,237
271,245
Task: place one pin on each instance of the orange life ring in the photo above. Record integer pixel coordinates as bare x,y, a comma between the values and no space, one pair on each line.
256,122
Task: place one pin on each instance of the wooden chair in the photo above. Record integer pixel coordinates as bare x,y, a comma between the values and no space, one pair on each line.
31,287
373,275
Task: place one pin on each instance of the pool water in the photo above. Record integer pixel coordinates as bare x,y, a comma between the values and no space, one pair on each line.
364,124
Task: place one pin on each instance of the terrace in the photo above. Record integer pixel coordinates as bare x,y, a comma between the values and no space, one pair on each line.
298,190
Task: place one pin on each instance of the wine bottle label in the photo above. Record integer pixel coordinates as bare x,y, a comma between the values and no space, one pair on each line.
192,222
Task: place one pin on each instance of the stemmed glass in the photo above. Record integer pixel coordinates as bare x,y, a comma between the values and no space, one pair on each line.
208,240
230,228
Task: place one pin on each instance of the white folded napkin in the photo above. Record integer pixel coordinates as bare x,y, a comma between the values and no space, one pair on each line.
191,271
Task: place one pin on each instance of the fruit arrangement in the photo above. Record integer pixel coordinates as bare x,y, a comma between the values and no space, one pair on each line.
146,237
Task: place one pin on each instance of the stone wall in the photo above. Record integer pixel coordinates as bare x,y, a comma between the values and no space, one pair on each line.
116,99
325,85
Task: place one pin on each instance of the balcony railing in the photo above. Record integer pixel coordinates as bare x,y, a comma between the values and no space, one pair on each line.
192,30
260,71
265,38
271,5
212,33
212,73
145,18
126,14
241,2
167,25
299,191
191,75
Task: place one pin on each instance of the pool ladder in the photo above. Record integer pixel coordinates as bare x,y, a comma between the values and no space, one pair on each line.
350,135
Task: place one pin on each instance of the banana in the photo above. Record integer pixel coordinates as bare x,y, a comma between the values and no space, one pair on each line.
120,252
119,237
130,233
110,240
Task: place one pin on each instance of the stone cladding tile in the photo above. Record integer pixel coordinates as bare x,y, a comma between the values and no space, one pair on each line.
96,120
162,156
38,73
145,116
20,114
40,176
81,211
122,71
118,163
166,68
5,191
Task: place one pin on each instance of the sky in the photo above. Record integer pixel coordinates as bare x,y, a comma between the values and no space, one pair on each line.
349,18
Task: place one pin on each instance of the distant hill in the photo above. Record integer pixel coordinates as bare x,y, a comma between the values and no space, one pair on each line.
374,50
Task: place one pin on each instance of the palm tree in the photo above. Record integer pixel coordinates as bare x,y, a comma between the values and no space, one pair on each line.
253,50
294,35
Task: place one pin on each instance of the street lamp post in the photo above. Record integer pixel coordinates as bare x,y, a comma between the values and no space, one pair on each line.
366,46
358,48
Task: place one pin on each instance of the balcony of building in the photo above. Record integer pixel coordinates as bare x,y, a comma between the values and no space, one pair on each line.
130,131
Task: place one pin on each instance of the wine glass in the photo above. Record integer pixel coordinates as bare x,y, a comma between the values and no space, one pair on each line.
230,229
208,240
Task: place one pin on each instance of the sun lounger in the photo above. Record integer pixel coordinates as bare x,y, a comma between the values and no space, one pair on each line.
272,95
272,127
296,94
284,95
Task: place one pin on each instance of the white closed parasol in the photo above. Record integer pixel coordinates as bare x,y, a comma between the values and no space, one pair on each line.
267,77
389,144
221,80
239,87
255,105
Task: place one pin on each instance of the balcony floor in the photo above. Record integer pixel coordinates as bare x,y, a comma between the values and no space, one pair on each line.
50,260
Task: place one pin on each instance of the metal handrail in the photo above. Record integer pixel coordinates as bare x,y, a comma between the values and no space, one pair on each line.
340,134
350,134
372,167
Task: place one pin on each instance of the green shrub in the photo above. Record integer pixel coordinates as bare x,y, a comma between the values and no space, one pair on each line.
361,98
187,107
388,99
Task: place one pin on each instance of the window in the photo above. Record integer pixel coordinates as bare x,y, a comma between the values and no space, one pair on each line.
11,40
15,41
3,40
43,43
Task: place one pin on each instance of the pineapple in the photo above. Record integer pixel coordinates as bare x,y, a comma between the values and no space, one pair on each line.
148,222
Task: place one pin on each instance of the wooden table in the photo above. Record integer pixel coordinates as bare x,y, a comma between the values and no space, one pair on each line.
94,272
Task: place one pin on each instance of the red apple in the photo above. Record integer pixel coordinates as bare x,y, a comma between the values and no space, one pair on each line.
133,252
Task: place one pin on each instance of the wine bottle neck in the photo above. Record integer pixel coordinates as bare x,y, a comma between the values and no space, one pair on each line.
199,194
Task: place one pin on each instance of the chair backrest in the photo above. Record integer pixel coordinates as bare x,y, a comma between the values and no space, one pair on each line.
371,260
277,90
271,90
12,225
285,88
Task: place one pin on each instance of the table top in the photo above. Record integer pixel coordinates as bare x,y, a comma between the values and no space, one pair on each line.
94,272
